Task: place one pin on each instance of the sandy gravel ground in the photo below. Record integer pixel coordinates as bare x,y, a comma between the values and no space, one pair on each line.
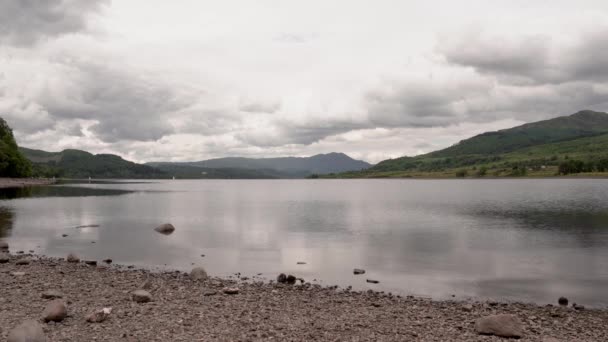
186,310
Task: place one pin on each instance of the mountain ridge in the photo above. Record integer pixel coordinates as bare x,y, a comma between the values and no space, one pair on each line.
333,162
73,163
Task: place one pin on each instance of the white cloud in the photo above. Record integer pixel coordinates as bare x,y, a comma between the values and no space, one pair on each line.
153,80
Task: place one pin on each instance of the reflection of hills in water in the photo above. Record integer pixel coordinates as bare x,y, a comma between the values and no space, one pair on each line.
6,221
585,228
57,191
100,181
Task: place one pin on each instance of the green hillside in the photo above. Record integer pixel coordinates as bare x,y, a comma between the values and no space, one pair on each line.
536,149
582,124
184,171
12,162
81,164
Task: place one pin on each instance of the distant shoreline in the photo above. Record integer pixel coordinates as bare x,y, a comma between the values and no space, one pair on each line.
438,177
7,183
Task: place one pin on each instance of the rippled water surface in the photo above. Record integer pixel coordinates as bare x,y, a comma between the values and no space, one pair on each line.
529,240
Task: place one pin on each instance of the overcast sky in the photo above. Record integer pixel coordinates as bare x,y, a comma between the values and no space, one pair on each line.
155,80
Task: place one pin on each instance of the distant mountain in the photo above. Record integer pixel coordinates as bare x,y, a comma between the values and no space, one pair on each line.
182,171
285,167
540,146
12,162
81,164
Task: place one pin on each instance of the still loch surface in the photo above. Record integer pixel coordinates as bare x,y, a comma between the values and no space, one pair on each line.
524,240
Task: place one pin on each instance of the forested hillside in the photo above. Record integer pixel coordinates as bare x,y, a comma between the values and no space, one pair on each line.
81,164
12,162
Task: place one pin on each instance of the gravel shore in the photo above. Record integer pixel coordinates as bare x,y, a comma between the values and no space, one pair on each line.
23,182
183,309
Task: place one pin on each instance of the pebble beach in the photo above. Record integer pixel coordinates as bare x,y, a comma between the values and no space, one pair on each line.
142,305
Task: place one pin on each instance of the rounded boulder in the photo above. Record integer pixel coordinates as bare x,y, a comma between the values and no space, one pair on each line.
166,228
55,311
500,325
198,274
28,331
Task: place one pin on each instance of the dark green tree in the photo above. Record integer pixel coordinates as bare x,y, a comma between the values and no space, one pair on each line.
12,162
482,171
461,173
571,166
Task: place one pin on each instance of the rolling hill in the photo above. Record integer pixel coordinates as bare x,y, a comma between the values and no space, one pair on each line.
286,167
81,164
537,148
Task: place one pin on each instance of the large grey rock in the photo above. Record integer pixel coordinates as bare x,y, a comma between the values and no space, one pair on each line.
24,261
166,228
282,278
141,296
3,246
51,294
198,273
500,325
72,258
55,311
4,258
28,331
467,308
230,290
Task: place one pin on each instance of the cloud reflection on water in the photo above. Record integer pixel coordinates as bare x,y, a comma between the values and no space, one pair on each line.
506,239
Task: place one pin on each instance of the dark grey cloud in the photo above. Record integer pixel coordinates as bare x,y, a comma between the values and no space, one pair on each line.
527,79
24,22
423,103
284,132
125,105
411,105
112,101
589,59
533,59
527,57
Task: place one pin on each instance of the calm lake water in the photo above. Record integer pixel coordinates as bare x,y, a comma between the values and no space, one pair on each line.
525,240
